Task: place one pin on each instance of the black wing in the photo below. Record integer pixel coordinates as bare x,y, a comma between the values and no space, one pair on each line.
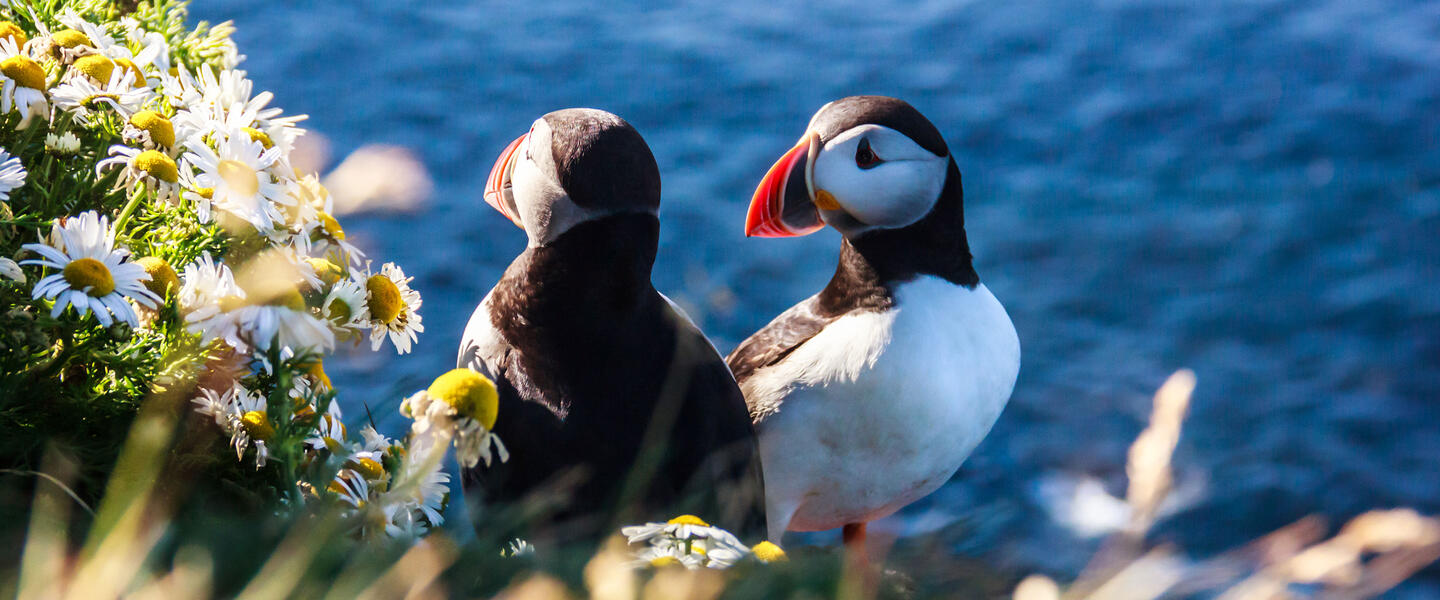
777,340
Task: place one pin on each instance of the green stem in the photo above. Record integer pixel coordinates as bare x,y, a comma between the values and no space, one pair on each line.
129,207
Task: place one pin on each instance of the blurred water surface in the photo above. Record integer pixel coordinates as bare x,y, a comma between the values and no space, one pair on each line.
1247,188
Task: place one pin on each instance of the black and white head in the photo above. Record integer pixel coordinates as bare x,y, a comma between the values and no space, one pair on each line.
864,163
574,165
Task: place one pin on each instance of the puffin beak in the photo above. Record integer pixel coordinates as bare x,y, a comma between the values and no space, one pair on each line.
784,205
497,187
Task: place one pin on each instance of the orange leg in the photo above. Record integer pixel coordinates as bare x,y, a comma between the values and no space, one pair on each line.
853,535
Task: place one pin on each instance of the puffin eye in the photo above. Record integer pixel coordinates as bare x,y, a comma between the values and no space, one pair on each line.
865,157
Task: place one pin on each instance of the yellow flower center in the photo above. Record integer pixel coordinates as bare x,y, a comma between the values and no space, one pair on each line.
370,468
688,520
332,227
229,303
259,136
13,31
25,72
317,372
130,66
385,303
96,66
470,393
69,38
288,297
768,552
163,279
158,165
159,127
664,561
88,272
257,426
206,193
328,272
240,176
339,312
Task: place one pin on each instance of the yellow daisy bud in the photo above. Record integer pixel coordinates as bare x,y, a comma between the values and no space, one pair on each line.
369,468
158,165
331,226
159,127
328,272
88,272
385,303
25,72
14,32
239,176
288,297
96,66
163,279
259,136
69,38
130,66
768,552
470,393
316,370
257,425
688,520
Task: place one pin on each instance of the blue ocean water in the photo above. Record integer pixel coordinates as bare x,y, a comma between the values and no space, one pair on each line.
1247,188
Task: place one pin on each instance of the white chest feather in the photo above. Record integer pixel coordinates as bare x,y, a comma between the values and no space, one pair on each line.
880,409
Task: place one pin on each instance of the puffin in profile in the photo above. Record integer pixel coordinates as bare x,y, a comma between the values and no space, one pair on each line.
870,394
612,403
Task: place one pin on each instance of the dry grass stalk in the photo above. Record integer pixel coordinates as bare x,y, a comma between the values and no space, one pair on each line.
1396,542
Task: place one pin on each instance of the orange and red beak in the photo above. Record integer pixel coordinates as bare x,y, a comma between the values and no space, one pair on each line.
497,187
784,204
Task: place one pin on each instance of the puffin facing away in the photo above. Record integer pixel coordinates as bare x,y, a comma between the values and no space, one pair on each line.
613,405
870,394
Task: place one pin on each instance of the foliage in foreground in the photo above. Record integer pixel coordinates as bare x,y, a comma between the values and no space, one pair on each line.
128,552
158,251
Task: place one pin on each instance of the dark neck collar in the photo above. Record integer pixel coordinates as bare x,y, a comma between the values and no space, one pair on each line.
873,263
605,263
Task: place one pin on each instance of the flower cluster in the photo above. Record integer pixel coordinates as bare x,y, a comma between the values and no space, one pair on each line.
155,237
689,541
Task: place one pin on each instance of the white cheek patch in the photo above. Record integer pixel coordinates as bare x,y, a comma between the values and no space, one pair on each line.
545,209
897,192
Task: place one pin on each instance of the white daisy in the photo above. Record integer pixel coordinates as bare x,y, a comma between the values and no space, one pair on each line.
688,535
683,527
391,307
351,487
213,404
233,177
241,414
218,308
344,305
153,168
149,130
11,270
153,46
94,274
22,83
459,406
81,97
12,174
518,547
65,143
329,431
418,499
667,556
222,101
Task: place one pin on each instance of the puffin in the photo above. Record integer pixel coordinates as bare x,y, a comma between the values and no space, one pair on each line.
868,395
614,406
